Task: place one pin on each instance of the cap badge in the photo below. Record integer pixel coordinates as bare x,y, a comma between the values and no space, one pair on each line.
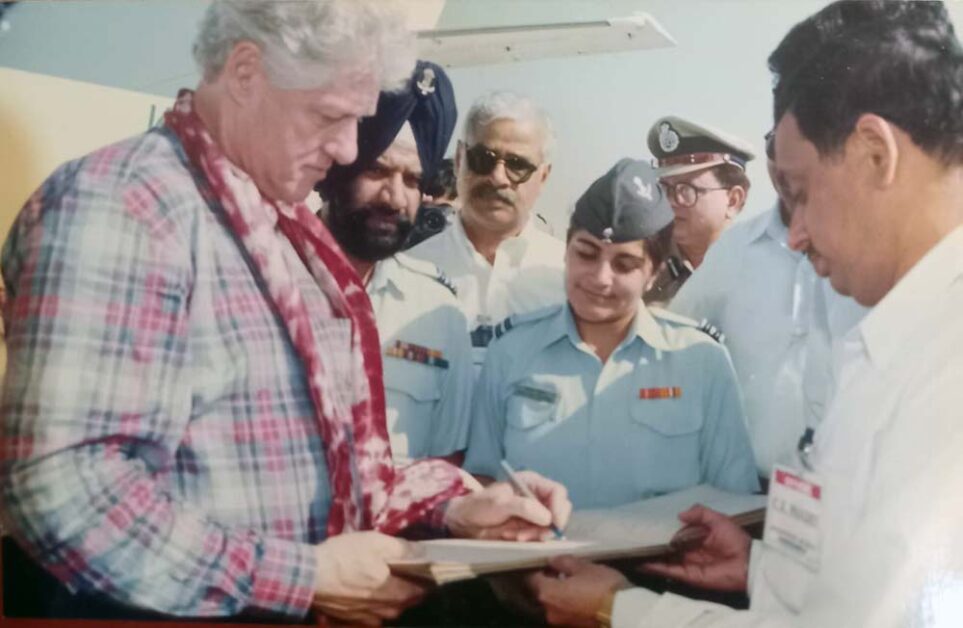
427,83
668,138
607,234
643,190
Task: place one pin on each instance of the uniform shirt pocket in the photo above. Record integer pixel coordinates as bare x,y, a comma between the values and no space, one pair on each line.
412,392
670,416
418,381
531,404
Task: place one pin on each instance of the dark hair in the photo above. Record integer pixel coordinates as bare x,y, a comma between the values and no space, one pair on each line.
443,184
899,60
655,247
730,176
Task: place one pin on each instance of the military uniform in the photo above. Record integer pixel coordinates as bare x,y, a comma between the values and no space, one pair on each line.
427,358
671,274
662,413
681,147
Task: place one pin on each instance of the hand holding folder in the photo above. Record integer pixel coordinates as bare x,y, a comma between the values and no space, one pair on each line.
640,530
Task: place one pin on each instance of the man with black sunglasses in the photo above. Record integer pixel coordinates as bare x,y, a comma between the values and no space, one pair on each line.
499,261
703,171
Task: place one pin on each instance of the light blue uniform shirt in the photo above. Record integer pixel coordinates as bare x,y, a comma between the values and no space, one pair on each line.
544,401
427,401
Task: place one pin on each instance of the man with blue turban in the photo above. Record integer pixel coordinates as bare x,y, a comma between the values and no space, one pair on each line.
373,209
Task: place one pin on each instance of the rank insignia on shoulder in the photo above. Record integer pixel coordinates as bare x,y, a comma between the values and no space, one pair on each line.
712,331
665,392
503,327
535,393
446,281
417,353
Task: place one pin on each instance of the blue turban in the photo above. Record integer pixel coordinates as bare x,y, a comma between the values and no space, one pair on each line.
427,102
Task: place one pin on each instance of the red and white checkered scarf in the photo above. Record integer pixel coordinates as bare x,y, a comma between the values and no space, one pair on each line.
368,492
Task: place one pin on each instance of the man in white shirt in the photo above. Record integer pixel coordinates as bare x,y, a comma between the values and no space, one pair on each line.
776,315
864,531
499,261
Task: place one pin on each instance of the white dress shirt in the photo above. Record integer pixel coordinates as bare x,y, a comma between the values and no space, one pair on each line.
527,274
775,313
889,457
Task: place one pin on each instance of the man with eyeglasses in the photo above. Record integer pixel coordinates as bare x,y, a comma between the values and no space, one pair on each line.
864,530
499,261
703,171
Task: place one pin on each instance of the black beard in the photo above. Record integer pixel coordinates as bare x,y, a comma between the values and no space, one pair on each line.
349,227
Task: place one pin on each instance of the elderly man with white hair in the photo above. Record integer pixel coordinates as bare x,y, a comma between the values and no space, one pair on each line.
498,259
193,415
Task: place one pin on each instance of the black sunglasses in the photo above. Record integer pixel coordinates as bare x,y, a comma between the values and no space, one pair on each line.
482,160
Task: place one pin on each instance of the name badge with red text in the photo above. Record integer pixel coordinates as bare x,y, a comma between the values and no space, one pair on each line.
792,516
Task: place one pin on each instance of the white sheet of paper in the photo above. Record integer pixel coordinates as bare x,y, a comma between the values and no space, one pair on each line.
654,521
648,522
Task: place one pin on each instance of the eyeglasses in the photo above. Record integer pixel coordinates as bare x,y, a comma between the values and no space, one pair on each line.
771,145
686,194
482,160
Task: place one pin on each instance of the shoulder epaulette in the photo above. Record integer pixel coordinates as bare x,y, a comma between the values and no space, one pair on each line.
714,332
704,326
503,327
427,269
672,317
446,281
516,320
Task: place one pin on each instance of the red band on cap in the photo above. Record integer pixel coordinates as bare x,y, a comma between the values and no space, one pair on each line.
699,158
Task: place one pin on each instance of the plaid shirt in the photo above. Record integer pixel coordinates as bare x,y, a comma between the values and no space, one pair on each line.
159,442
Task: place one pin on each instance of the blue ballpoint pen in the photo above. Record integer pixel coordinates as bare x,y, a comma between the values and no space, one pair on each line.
524,491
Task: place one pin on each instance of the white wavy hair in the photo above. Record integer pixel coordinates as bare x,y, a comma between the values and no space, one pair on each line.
304,43
509,105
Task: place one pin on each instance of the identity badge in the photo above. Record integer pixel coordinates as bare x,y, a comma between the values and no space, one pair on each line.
792,516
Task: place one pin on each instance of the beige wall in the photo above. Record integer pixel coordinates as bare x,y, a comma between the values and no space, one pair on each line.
45,121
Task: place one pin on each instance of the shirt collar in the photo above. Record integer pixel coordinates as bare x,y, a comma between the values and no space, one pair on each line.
649,330
514,246
644,327
773,227
383,275
912,300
